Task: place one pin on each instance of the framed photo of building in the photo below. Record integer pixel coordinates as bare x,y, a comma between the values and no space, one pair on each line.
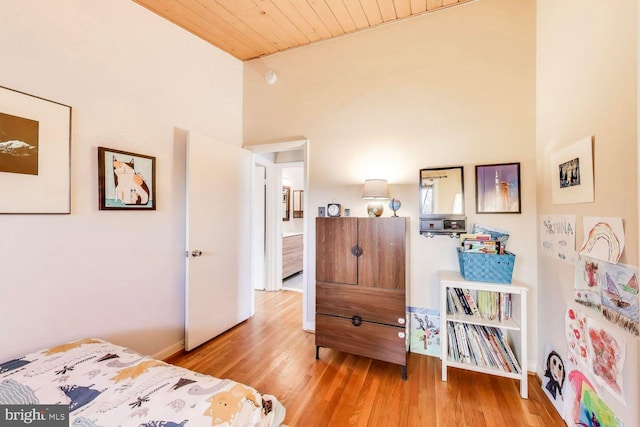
572,173
498,188
35,144
126,181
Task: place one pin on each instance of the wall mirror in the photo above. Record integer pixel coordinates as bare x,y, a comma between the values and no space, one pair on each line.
442,200
297,204
286,204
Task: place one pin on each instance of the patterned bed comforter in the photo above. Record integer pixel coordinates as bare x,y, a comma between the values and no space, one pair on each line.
109,386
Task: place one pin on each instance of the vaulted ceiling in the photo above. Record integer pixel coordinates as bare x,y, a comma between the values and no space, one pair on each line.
249,29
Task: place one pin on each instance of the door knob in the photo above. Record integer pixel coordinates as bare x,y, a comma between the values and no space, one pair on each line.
356,320
196,253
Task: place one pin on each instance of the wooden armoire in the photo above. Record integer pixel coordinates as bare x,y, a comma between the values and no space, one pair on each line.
360,287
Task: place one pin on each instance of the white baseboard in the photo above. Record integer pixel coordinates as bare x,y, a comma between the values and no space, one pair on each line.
172,349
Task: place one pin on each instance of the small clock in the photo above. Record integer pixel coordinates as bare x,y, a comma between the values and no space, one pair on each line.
333,209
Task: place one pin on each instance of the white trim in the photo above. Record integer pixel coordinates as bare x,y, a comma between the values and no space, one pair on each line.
277,147
169,351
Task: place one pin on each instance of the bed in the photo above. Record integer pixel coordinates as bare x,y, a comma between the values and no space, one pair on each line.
108,385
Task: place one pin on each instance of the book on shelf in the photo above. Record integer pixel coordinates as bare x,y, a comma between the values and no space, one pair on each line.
474,236
482,246
512,357
455,307
496,234
483,346
501,362
463,302
494,305
481,358
472,303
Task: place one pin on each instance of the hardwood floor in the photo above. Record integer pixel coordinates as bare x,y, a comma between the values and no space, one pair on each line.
274,355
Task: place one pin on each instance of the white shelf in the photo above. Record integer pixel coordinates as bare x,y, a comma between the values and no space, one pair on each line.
483,369
516,324
511,323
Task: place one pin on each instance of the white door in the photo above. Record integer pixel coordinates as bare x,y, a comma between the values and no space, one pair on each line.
218,238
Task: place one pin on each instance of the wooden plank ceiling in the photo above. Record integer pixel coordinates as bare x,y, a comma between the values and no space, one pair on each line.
249,29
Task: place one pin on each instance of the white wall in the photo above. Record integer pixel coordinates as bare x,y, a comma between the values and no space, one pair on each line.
456,87
132,78
587,85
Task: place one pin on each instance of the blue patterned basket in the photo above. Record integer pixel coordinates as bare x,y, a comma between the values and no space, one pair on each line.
486,267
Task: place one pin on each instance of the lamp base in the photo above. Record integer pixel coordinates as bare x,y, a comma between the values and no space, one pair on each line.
375,209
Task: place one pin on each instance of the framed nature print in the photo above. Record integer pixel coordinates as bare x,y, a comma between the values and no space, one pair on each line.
498,188
35,143
126,181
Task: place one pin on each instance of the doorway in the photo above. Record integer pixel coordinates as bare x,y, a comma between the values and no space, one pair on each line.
267,233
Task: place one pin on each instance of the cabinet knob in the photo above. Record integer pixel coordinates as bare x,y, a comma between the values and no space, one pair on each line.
356,250
401,335
356,320
401,320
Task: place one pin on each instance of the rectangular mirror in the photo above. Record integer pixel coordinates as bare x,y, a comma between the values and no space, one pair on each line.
297,204
442,200
286,203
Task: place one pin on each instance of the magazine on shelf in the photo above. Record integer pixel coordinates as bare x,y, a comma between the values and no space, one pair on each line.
497,234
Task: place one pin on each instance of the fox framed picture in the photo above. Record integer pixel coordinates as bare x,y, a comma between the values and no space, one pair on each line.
126,181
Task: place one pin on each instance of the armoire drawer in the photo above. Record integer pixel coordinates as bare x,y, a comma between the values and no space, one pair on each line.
376,305
381,342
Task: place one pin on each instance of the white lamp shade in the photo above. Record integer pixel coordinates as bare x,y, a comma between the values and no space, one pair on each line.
375,189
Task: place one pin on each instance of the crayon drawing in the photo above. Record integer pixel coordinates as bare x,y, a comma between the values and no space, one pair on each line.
587,282
594,412
620,303
425,331
575,330
576,380
606,357
554,383
558,237
603,238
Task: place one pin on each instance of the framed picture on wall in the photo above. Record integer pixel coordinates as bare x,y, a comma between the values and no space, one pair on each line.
35,141
572,173
498,188
126,181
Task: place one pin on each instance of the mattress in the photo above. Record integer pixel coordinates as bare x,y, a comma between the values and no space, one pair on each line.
108,385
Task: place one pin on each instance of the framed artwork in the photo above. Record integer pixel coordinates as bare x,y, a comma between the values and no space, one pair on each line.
286,202
35,148
126,181
572,173
498,188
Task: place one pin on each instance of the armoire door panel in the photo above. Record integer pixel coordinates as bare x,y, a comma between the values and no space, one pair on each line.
382,263
335,237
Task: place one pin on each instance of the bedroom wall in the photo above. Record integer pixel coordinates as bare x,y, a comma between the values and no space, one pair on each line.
132,78
587,85
456,87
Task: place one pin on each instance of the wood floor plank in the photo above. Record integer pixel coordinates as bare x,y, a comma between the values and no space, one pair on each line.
272,353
